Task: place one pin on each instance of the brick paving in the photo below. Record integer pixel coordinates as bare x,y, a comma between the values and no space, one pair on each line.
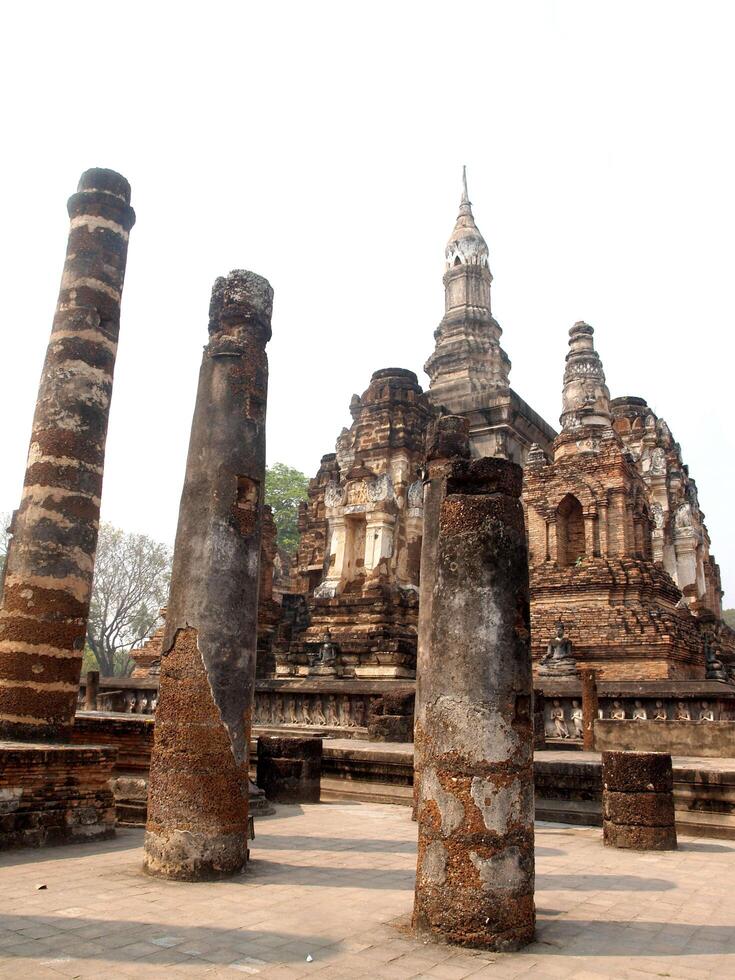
334,883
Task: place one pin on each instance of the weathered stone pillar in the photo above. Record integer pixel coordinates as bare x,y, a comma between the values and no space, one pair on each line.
198,798
48,578
290,768
638,801
590,709
91,690
539,720
474,726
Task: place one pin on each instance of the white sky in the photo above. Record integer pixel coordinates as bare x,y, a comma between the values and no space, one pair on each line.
321,144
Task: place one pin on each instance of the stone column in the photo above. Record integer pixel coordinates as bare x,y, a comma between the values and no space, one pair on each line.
91,690
590,708
539,720
474,727
198,797
48,578
638,801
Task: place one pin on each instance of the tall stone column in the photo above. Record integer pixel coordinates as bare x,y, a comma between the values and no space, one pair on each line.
198,791
474,726
48,579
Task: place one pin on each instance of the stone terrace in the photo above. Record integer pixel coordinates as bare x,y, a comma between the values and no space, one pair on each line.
335,882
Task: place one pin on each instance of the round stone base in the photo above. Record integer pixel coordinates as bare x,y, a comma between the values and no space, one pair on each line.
186,856
509,927
636,838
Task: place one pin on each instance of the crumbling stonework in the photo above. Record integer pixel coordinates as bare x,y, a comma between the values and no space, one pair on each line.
679,537
590,521
474,724
360,544
55,794
50,564
638,801
197,814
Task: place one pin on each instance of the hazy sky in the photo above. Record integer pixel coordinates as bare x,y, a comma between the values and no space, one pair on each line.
321,145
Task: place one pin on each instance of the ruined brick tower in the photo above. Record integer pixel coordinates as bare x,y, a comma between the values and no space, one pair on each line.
591,528
360,546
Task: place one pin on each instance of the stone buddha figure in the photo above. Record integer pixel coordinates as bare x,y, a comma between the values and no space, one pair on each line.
324,660
577,719
714,668
706,714
558,660
639,712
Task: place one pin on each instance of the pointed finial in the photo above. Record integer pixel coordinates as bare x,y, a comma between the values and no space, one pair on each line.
465,197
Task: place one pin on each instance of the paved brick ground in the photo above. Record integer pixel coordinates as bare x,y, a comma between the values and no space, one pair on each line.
335,883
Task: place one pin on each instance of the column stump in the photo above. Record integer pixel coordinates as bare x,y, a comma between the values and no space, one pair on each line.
638,801
290,768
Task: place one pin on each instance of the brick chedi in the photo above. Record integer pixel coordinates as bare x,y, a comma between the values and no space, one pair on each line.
360,546
591,525
197,810
50,564
679,537
469,370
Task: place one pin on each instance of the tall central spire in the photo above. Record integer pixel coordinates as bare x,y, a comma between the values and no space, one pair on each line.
466,246
465,202
467,357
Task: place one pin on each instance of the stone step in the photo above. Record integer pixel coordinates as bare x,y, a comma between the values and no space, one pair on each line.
580,813
362,791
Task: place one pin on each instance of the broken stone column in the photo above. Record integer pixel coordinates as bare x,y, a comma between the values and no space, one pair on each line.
390,718
91,690
590,709
474,725
48,576
290,768
198,798
638,801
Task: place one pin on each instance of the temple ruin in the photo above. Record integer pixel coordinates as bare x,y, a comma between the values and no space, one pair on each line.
618,548
622,577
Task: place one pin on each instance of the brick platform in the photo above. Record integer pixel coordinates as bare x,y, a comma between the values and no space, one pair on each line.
55,794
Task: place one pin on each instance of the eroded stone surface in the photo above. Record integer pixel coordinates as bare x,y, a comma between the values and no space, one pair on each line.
474,724
198,802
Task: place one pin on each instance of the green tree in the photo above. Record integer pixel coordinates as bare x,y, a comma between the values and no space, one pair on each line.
5,517
729,616
131,580
285,488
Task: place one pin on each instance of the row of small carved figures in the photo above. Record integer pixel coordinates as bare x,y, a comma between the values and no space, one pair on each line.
558,727
134,702
336,710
